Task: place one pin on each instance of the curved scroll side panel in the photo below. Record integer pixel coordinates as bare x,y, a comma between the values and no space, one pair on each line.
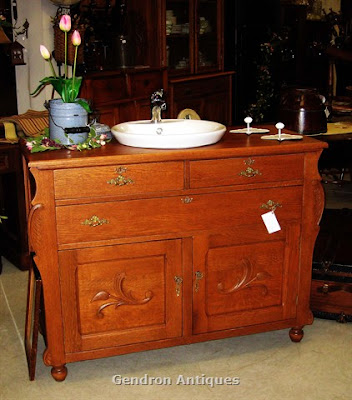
313,207
43,240
34,222
36,217
319,196
37,195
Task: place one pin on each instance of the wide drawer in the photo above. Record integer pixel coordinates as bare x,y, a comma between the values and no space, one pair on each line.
174,215
108,89
200,88
331,297
236,171
118,180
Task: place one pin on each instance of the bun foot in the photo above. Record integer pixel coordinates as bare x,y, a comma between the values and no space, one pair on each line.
59,373
296,334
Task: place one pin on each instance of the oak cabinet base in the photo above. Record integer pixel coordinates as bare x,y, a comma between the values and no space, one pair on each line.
177,254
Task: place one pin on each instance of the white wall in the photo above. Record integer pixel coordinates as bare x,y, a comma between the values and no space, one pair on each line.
38,13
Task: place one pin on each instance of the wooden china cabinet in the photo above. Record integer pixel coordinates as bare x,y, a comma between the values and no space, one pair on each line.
141,249
176,45
194,44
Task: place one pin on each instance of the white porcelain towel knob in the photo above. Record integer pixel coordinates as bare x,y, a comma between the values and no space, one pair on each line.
279,126
248,121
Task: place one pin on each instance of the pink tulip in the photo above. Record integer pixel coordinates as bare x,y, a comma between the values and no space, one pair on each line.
65,23
76,38
47,57
44,52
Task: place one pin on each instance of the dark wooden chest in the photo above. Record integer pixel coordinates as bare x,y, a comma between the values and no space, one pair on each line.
331,293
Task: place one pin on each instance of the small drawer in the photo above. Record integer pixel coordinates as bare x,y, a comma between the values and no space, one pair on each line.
144,84
175,215
237,171
108,90
118,180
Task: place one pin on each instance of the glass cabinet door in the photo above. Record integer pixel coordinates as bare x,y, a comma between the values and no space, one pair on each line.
208,36
179,28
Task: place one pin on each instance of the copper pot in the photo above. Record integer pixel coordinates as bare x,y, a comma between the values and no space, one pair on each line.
303,111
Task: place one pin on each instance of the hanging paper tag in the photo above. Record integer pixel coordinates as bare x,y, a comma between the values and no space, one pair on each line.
271,222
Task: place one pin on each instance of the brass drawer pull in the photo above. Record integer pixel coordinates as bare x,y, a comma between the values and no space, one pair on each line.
95,221
199,275
178,281
187,200
271,205
120,180
249,172
327,288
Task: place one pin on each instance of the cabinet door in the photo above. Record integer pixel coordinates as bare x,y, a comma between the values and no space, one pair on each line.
107,115
245,277
119,295
210,97
210,107
179,36
208,39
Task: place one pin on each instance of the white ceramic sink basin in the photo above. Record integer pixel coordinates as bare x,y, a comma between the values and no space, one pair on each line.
168,134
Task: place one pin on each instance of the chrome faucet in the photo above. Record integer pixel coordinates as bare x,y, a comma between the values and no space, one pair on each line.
158,104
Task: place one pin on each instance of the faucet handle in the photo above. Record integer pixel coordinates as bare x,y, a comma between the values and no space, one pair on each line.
158,97
157,104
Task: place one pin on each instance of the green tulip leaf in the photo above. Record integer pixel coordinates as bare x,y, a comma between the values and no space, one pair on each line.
67,88
84,104
46,81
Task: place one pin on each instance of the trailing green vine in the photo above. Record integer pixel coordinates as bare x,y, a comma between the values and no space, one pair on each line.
44,143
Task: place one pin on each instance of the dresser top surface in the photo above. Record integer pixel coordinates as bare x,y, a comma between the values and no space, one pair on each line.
231,145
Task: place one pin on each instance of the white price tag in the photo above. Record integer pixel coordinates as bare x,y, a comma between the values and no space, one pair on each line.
271,222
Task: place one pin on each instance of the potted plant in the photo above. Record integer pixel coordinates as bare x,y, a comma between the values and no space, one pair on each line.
68,115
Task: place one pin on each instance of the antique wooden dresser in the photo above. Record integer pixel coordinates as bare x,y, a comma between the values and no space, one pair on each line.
142,249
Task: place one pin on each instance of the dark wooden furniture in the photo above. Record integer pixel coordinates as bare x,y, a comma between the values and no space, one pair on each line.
33,319
331,293
8,98
13,230
209,95
176,252
186,59
338,155
123,95
194,40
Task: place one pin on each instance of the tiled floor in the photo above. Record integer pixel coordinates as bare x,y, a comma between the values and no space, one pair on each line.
268,365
